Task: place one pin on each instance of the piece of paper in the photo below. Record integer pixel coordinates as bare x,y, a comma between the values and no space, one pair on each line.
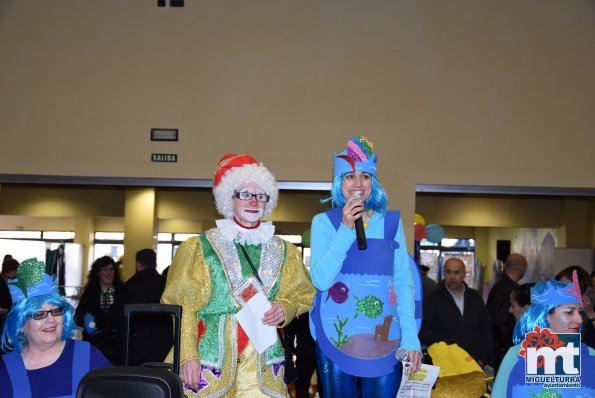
250,318
420,384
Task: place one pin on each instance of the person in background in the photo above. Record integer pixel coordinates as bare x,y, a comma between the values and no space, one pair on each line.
45,361
364,308
9,268
554,305
96,312
214,274
428,284
498,304
9,271
456,313
305,352
165,271
588,312
151,334
520,298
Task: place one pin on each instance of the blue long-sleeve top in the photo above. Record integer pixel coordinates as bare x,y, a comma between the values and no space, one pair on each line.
329,249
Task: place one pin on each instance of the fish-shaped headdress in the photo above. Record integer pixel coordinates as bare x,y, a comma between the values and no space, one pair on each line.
556,292
358,156
31,281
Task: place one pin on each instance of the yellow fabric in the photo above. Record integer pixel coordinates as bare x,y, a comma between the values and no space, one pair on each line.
189,285
452,359
246,385
469,385
296,292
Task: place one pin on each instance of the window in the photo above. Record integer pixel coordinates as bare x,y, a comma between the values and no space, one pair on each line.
27,244
433,255
167,245
20,235
54,238
108,244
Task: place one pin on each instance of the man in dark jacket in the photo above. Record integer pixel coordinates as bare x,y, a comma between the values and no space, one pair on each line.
151,334
455,313
499,302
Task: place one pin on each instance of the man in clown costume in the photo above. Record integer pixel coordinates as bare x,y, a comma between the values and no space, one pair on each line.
214,274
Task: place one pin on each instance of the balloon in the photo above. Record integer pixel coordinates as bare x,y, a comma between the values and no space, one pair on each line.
419,219
306,237
419,231
434,233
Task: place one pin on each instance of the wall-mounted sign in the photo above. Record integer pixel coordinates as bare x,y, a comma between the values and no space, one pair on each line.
164,157
164,134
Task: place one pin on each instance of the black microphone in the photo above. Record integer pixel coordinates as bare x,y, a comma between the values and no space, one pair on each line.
360,232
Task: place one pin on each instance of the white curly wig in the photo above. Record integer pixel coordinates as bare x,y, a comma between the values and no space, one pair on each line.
236,176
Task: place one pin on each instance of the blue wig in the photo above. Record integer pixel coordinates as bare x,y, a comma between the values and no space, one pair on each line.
545,298
535,315
22,311
377,201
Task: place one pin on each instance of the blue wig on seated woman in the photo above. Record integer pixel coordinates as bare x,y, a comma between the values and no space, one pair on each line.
44,360
554,310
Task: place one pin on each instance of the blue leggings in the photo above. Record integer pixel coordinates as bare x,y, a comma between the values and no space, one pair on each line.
335,383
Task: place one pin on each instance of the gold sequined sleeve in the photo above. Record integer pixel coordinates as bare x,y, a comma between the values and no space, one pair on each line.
189,285
296,292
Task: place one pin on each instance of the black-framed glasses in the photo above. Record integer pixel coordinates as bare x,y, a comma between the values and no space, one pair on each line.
260,197
42,314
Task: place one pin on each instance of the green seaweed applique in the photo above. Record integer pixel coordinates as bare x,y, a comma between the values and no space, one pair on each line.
342,338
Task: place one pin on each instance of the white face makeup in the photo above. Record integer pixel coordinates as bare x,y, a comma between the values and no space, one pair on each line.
249,212
251,215
566,318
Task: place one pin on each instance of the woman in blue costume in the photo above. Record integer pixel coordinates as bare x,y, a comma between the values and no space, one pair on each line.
46,361
364,306
555,308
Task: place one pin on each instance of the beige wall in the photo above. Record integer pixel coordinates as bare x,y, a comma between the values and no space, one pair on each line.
458,92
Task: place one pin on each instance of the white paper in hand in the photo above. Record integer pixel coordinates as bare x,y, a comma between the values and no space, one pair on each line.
250,318
418,385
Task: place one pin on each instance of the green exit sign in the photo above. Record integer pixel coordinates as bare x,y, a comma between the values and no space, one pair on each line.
164,157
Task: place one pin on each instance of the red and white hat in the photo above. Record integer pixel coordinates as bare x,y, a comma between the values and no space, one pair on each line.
234,170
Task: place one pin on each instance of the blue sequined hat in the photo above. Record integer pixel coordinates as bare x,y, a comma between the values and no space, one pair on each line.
359,156
31,281
557,293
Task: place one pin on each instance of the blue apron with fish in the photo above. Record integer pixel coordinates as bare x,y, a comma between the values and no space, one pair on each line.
356,320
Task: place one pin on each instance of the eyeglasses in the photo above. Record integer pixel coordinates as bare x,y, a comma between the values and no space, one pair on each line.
39,315
260,197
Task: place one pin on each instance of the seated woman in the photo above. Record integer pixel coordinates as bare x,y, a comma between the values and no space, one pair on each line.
555,306
588,312
45,361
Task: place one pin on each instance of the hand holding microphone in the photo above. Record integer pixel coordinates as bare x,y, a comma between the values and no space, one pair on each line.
360,231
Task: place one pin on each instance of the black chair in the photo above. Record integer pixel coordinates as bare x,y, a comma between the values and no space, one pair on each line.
153,380
130,382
